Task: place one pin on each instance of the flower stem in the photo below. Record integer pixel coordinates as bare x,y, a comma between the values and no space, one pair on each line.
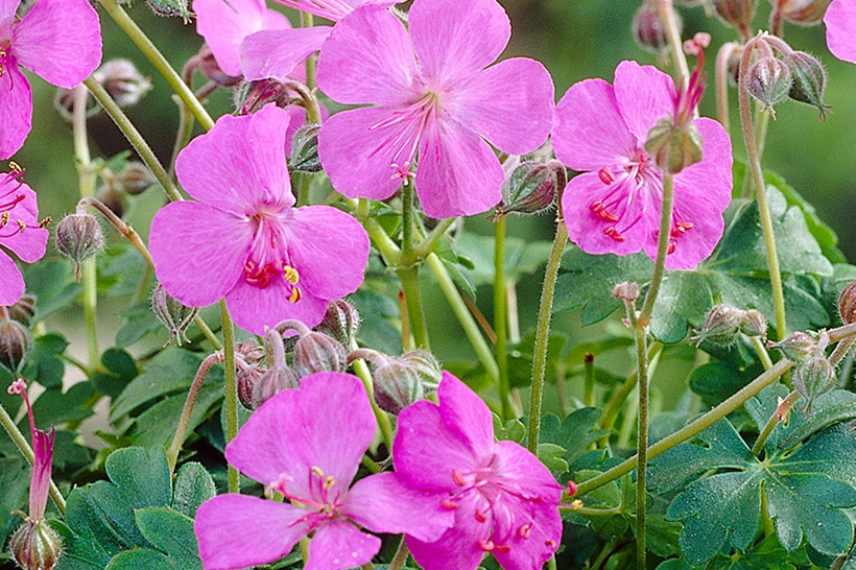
641,335
762,353
500,317
408,272
542,334
588,393
754,160
427,246
307,20
721,79
666,11
775,419
231,390
662,251
400,558
382,419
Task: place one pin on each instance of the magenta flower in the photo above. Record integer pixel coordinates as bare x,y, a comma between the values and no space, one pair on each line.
42,443
840,23
505,501
307,445
242,239
58,40
430,97
614,206
20,232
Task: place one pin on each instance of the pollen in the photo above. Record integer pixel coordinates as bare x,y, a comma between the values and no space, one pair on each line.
291,275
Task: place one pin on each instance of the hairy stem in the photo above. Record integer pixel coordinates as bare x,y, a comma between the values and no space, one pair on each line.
400,558
184,420
500,317
588,393
641,338
762,353
382,419
721,79
775,419
662,251
231,391
666,12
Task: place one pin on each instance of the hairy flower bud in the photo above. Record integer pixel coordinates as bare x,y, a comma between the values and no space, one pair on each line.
123,81
753,323
737,13
627,291
532,188
813,377
341,321
79,237
802,12
770,81
809,80
318,352
135,178
304,149
401,381
35,546
113,199
15,342
798,346
172,314
847,304
648,30
171,8
721,326
208,66
24,309
64,104
674,147
270,383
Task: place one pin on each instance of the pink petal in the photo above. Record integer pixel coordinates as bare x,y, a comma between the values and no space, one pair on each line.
458,175
255,308
644,95
16,111
702,193
30,244
457,548
510,104
240,163
361,149
278,53
467,414
40,479
297,118
329,248
214,246
455,39
8,8
238,531
59,40
516,463
339,545
333,10
300,429
12,282
543,538
587,230
368,59
381,503
590,132
840,23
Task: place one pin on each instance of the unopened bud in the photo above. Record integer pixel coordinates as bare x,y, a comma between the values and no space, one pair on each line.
24,310
64,104
135,178
208,66
402,381
79,237
252,96
172,314
721,326
802,12
813,377
171,8
35,546
532,188
15,342
847,304
809,80
648,29
571,488
123,81
753,323
770,81
304,149
798,346
674,147
341,321
113,199
627,291
318,352
737,13
271,382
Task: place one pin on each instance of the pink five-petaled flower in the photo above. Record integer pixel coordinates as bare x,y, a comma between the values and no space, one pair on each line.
307,444
840,23
431,96
242,239
59,40
614,207
20,231
43,444
505,501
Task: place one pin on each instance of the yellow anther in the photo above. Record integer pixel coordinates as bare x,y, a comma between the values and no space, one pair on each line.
317,471
22,225
16,168
295,295
291,275
4,219
329,481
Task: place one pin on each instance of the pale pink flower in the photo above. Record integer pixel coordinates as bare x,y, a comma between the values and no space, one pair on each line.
21,232
840,23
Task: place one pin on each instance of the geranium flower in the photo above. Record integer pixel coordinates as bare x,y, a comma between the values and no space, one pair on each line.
614,206
20,232
840,23
242,239
306,444
505,501
43,444
58,40
430,96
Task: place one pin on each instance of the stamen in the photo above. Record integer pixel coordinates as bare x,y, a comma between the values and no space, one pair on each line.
502,548
525,531
605,176
449,504
329,482
480,516
458,478
673,245
614,234
295,295
551,544
487,545
291,275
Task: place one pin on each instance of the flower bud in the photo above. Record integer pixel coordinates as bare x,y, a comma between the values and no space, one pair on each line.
304,149
798,346
753,323
318,352
123,81
270,383
252,96
402,381
15,342
35,546
813,377
674,147
627,291
733,65
24,309
135,178
721,326
342,322
79,237
736,13
809,80
648,29
113,199
208,66
171,8
532,188
802,12
770,81
847,304
64,104
172,314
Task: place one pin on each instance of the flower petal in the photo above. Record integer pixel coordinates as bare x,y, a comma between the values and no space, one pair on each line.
240,163
12,284
238,531
329,248
214,246
361,149
59,40
458,548
455,39
519,466
840,23
30,244
8,8
458,174
467,414
278,53
333,10
368,59
16,111
382,503
297,118
300,429
510,104
644,95
339,545
254,308
532,550
590,132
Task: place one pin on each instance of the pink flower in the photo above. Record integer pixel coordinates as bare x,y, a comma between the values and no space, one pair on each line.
429,95
504,500
42,443
614,207
307,445
242,239
20,232
840,23
58,40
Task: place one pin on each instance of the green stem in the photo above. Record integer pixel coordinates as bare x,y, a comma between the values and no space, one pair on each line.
662,251
307,20
381,240
641,445
381,417
721,80
400,558
590,512
666,12
304,186
430,242
184,420
542,334
754,159
775,419
762,353
588,394
231,390
500,317
693,428
408,271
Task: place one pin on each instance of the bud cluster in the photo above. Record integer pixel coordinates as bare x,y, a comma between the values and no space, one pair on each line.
782,73
815,373
724,325
400,380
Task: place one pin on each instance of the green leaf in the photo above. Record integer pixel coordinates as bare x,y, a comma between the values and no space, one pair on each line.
522,257
120,370
575,433
137,322
377,315
520,358
43,363
53,286
193,486
717,381
156,426
55,407
120,268
141,559
172,532
171,8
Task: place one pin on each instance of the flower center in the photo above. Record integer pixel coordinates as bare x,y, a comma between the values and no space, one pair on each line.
323,503
9,200
269,261
415,118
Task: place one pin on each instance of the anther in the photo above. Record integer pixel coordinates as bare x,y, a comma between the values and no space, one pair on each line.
487,545
673,245
449,504
614,233
458,478
605,176
502,548
291,275
480,516
551,544
329,482
524,531
295,295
